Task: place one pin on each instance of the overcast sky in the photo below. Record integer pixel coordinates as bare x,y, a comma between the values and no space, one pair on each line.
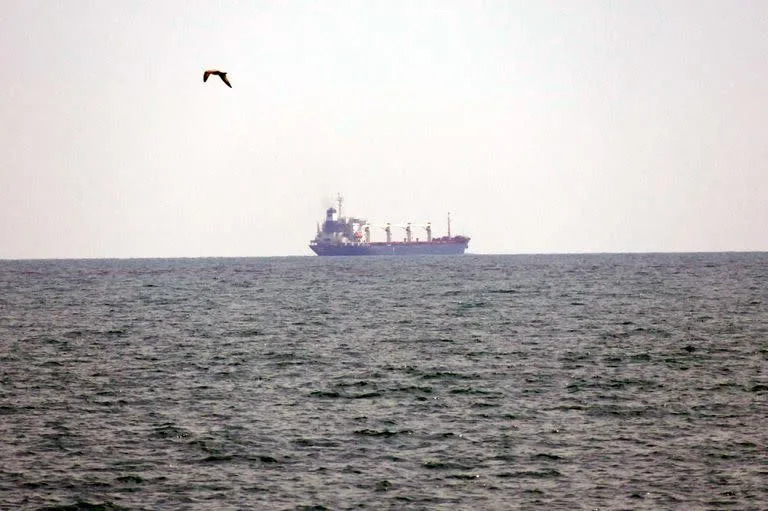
542,126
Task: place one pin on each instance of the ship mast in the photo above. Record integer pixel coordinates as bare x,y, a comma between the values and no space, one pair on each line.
340,199
449,225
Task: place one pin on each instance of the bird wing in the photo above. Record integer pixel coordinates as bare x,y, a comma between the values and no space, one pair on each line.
224,77
206,75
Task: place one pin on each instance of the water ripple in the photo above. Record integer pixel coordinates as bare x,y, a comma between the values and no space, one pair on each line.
477,382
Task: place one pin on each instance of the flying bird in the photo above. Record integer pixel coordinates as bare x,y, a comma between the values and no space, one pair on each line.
220,74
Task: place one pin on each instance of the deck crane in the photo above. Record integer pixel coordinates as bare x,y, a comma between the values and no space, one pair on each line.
427,227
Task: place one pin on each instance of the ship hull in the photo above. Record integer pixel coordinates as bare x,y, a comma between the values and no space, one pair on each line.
383,249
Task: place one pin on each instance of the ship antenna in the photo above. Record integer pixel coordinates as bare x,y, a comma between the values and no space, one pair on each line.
449,225
340,199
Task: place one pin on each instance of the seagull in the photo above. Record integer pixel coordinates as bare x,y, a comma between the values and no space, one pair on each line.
220,74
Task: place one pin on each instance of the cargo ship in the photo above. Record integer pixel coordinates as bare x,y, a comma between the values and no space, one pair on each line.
348,236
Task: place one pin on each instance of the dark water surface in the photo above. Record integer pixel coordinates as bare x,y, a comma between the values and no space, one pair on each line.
474,382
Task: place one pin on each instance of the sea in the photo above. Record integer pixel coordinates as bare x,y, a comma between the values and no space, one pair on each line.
475,382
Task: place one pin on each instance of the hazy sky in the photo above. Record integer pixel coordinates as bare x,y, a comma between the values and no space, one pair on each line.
542,126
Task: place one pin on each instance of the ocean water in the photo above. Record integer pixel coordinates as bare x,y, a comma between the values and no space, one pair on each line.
472,382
